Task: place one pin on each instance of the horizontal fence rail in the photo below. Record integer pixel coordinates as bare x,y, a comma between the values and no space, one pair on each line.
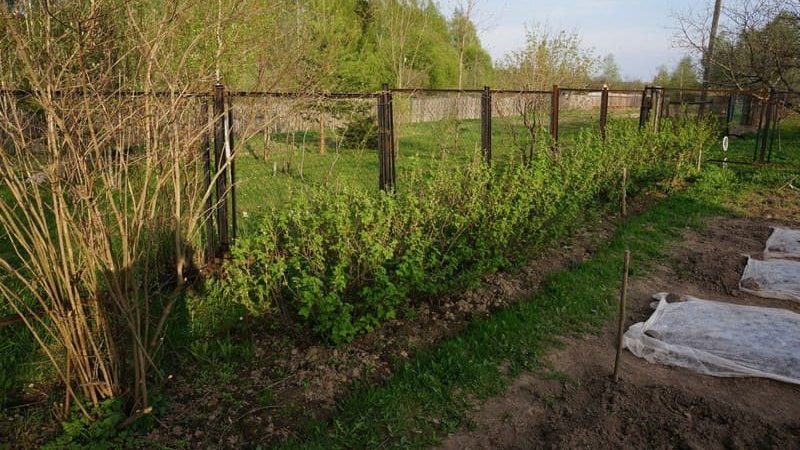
233,118
333,95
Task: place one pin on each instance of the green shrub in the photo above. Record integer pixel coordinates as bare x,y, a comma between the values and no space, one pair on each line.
346,260
81,432
360,128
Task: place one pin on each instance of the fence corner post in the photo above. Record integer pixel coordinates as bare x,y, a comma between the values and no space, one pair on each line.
486,124
554,108
603,111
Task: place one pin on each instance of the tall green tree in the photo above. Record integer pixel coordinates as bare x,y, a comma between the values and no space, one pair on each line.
609,70
549,58
662,76
685,74
474,63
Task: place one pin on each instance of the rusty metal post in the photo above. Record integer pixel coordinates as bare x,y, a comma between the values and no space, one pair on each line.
205,149
232,168
381,106
486,124
644,110
764,129
729,112
220,158
392,142
758,129
780,107
554,107
386,151
747,110
603,112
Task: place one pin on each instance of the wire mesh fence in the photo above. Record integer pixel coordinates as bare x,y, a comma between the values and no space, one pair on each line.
434,128
624,105
286,142
578,110
262,149
520,125
679,103
107,154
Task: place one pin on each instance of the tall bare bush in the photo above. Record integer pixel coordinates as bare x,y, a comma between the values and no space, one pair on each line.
102,188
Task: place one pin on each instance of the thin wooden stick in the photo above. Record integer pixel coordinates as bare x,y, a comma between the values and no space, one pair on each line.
621,323
700,160
624,192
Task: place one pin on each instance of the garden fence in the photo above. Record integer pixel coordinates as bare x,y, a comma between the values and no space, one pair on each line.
278,128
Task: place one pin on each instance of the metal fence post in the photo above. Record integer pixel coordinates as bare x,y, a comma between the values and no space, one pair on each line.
386,151
220,158
644,110
747,110
392,148
381,106
205,149
780,107
729,112
764,130
603,112
486,124
554,107
230,154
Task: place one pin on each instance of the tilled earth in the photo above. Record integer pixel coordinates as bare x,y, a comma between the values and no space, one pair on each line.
292,378
575,404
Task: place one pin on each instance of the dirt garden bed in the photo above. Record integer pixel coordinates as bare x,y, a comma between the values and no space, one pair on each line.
574,404
305,379
291,379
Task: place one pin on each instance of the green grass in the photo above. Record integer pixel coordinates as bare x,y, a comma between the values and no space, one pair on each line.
294,162
785,147
421,147
427,397
401,412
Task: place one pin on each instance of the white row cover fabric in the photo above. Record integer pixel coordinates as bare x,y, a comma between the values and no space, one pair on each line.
783,243
720,339
773,278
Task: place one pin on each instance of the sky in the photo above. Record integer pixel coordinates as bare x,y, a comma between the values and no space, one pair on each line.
640,33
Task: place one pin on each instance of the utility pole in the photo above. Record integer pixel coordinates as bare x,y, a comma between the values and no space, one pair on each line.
709,54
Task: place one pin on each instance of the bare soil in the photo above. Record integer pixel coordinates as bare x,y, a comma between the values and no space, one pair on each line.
575,404
304,379
293,378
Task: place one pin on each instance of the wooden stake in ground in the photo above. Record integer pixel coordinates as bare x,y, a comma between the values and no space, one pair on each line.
624,192
322,147
621,322
700,160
